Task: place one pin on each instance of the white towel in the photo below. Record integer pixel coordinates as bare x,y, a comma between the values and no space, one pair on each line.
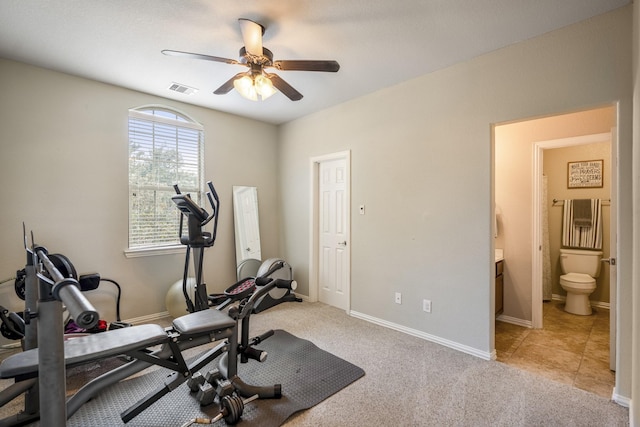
582,237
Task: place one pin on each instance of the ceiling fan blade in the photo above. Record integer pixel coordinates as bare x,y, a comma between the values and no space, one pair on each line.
303,65
252,36
228,85
199,56
285,87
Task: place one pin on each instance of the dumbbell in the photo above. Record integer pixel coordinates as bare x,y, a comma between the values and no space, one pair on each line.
195,381
231,409
211,386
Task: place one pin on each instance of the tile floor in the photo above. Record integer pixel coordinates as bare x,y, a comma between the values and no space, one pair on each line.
571,349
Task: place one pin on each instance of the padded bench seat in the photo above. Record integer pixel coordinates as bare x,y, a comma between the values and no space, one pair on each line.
205,321
88,348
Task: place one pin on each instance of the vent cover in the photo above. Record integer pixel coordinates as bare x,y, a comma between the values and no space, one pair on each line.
180,88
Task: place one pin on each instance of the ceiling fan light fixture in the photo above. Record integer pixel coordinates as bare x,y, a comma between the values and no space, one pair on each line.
254,88
256,84
263,86
244,86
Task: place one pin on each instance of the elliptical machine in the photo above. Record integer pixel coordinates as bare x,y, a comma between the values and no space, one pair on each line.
196,239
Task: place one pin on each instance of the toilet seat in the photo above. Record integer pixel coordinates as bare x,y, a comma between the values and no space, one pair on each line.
578,280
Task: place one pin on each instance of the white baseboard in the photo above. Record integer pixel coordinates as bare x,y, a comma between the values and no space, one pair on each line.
598,304
425,336
150,318
621,400
515,321
555,297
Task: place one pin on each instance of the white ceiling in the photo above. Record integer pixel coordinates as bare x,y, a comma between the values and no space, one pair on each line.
378,43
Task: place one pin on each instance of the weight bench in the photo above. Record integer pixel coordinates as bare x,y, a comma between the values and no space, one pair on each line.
188,331
39,371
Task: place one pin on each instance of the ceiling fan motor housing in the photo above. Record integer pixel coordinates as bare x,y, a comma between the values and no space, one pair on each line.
265,60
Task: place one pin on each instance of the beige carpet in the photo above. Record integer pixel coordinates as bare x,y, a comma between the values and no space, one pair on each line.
412,382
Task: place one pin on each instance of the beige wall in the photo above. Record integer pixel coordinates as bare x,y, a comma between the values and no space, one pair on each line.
421,161
514,152
64,170
634,413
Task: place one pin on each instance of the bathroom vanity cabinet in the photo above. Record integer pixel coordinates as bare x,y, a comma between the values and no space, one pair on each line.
499,286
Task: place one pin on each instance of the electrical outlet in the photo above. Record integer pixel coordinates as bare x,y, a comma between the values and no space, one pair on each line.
398,298
426,305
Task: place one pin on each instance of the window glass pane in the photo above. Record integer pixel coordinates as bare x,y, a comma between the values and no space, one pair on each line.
155,219
161,154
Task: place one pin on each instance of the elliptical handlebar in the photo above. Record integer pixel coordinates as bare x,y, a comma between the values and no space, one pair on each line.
214,201
197,216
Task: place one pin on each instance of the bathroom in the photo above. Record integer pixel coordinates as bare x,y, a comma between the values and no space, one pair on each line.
526,153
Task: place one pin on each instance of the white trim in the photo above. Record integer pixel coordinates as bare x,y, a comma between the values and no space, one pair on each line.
425,336
150,318
10,347
160,250
598,304
515,321
622,401
314,166
137,113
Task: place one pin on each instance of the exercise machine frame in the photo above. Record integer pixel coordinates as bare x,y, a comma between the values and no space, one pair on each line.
42,366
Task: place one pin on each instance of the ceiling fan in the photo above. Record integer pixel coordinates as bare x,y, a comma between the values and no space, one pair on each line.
256,83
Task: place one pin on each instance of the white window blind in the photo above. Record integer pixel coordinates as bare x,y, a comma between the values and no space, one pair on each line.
165,148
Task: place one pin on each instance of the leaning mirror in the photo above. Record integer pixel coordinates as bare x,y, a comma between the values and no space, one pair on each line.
247,226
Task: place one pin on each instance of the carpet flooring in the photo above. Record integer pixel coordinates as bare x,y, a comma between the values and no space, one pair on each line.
413,382
307,373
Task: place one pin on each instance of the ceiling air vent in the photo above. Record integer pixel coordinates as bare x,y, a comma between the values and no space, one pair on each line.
180,88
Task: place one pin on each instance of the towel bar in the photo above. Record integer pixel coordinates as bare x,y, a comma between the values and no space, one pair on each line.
558,202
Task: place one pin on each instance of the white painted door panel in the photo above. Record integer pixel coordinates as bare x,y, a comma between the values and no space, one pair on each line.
333,234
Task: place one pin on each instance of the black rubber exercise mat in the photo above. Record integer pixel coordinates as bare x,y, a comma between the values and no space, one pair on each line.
307,373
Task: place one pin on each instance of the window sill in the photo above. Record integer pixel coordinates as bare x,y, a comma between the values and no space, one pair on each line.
159,250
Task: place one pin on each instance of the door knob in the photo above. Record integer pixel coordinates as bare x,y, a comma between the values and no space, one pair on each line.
343,243
611,261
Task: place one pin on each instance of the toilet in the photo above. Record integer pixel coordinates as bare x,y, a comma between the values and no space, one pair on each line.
580,268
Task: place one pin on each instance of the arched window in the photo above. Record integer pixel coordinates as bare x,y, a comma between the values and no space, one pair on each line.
165,148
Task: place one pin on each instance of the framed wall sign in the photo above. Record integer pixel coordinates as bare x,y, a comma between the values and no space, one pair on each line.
584,174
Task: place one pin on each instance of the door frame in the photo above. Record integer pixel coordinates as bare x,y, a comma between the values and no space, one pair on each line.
314,224
536,251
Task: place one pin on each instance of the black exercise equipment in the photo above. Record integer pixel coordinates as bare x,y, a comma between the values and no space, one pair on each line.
12,326
87,282
46,290
43,364
274,268
197,239
231,408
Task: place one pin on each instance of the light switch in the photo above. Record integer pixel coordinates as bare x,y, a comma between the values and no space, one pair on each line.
361,209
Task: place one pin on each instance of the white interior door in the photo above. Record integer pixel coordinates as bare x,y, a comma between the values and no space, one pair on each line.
613,270
333,234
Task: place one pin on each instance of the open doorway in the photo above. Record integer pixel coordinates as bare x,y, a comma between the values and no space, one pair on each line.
543,337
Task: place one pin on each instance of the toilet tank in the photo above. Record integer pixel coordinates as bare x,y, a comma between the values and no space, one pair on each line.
580,261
